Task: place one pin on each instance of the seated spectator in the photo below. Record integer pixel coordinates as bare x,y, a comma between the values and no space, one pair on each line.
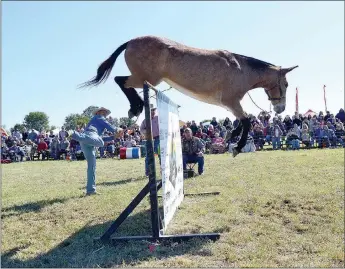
222,132
17,135
341,115
198,133
192,151
210,131
32,136
330,125
288,123
14,151
227,122
54,148
217,145
340,134
73,148
214,122
327,116
322,121
47,139
129,141
25,134
193,127
4,151
63,147
51,136
332,119
10,141
305,137
42,149
318,134
275,133
312,125
182,130
329,137
111,149
62,134
297,130
258,137
137,138
292,139
305,127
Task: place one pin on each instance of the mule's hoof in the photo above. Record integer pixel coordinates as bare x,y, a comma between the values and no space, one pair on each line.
235,152
130,114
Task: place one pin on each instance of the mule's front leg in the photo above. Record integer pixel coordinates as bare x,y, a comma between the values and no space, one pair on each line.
244,136
232,134
243,127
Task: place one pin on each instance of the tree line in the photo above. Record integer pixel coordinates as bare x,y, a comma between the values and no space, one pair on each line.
40,121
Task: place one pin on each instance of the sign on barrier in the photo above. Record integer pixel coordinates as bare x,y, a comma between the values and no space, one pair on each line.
171,157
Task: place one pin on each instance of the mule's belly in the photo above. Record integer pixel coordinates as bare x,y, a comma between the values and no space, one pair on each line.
212,98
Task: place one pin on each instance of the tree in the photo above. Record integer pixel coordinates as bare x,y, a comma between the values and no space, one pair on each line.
19,127
203,121
72,121
53,127
126,121
37,120
88,112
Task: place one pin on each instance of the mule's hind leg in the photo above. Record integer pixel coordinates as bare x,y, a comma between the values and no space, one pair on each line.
126,83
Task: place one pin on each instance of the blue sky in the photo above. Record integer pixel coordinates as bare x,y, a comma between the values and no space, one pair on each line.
48,48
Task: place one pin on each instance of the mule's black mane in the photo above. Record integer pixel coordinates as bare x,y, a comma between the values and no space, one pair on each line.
255,63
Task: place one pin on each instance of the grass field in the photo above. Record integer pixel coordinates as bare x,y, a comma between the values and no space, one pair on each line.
275,209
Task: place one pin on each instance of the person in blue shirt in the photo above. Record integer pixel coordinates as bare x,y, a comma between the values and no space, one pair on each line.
91,138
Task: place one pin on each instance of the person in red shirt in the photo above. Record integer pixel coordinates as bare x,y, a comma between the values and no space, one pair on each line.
42,148
198,133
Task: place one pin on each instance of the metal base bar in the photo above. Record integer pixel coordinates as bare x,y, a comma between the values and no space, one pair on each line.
202,193
128,210
162,238
198,194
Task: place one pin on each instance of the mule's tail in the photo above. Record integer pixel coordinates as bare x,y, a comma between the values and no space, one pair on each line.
105,68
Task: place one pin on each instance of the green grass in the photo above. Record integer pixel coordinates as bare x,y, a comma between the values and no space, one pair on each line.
275,209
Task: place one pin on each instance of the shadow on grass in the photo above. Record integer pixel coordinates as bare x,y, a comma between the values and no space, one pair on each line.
29,207
80,249
120,182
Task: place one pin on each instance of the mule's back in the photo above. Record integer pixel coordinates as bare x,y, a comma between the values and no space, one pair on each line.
193,71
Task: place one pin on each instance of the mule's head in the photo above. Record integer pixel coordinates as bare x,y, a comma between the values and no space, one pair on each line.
276,88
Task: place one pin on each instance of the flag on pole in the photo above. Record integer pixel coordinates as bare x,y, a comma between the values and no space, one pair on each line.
324,96
297,110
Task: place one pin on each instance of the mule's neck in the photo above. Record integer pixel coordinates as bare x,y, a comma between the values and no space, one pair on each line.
262,78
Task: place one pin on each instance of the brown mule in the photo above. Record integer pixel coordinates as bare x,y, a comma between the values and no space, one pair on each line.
217,77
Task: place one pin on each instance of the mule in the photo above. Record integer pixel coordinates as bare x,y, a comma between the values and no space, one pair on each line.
216,77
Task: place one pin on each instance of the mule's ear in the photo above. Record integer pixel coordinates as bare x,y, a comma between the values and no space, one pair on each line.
287,70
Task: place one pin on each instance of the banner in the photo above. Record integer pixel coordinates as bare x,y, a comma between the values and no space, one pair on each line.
171,157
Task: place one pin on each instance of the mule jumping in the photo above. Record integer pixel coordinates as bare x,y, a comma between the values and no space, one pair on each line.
216,77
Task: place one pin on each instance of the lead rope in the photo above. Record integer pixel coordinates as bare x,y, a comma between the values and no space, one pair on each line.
258,106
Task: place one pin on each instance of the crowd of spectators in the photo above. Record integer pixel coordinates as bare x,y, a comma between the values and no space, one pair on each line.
321,131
